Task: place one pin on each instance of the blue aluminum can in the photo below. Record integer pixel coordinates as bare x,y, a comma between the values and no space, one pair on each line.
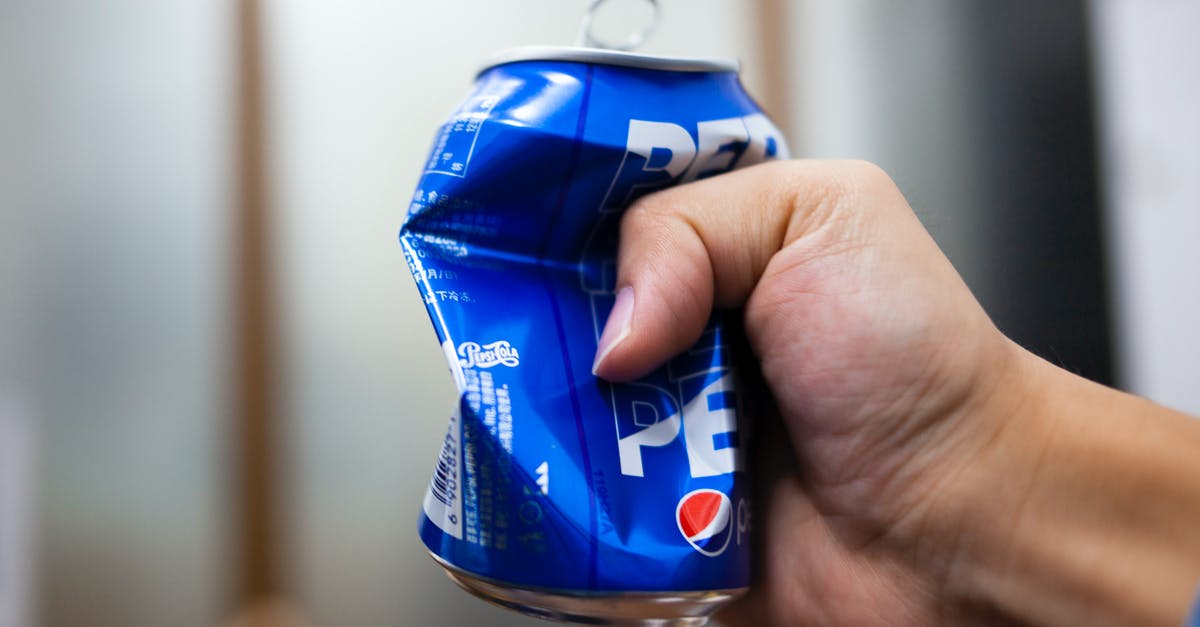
557,493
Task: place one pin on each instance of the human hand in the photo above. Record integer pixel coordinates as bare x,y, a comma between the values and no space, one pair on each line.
872,346
920,430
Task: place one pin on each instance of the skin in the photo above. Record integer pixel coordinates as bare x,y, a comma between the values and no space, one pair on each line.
929,470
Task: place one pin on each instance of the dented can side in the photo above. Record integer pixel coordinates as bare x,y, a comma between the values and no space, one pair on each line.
552,484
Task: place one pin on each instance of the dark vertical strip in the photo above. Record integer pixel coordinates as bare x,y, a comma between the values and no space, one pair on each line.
563,340
255,400
1048,288
771,25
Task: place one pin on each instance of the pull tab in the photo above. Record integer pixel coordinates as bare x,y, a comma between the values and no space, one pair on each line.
633,40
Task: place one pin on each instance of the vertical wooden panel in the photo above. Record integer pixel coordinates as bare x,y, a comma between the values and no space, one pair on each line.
256,407
771,34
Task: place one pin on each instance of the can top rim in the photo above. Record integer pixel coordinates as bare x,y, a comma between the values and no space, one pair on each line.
608,57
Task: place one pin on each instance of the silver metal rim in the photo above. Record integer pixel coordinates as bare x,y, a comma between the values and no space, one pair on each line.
603,608
633,40
597,56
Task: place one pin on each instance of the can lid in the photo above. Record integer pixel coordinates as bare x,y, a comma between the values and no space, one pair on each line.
600,56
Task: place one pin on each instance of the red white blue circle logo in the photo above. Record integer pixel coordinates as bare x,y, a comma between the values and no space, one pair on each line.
703,517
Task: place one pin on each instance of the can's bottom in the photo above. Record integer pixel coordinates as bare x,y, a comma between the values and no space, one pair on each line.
595,608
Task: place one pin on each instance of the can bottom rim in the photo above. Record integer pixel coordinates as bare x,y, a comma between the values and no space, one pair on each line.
636,608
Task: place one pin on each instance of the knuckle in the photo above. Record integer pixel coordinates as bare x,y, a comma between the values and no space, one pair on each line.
868,180
851,184
828,193
809,194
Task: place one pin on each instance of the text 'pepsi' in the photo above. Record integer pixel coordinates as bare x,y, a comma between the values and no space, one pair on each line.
555,492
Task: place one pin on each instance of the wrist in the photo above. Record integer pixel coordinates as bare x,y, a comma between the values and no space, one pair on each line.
987,509
1079,505
973,495
951,509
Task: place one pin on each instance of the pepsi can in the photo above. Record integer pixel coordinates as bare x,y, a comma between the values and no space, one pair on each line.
557,493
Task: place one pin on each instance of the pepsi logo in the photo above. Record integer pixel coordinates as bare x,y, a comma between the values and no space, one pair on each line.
703,517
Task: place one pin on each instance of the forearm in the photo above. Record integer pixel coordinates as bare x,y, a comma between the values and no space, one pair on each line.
1084,509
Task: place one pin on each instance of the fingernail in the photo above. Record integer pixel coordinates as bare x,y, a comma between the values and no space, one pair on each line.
617,328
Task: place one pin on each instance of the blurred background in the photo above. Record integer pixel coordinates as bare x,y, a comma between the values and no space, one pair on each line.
220,399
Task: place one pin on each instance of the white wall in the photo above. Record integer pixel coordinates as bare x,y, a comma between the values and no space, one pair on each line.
1149,90
113,204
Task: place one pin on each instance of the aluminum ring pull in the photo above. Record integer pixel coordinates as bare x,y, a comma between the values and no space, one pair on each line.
633,40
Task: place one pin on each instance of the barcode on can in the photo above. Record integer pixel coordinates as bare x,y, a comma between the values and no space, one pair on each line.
443,502
445,477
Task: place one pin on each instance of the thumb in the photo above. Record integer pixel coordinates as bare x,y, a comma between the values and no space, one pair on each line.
688,248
